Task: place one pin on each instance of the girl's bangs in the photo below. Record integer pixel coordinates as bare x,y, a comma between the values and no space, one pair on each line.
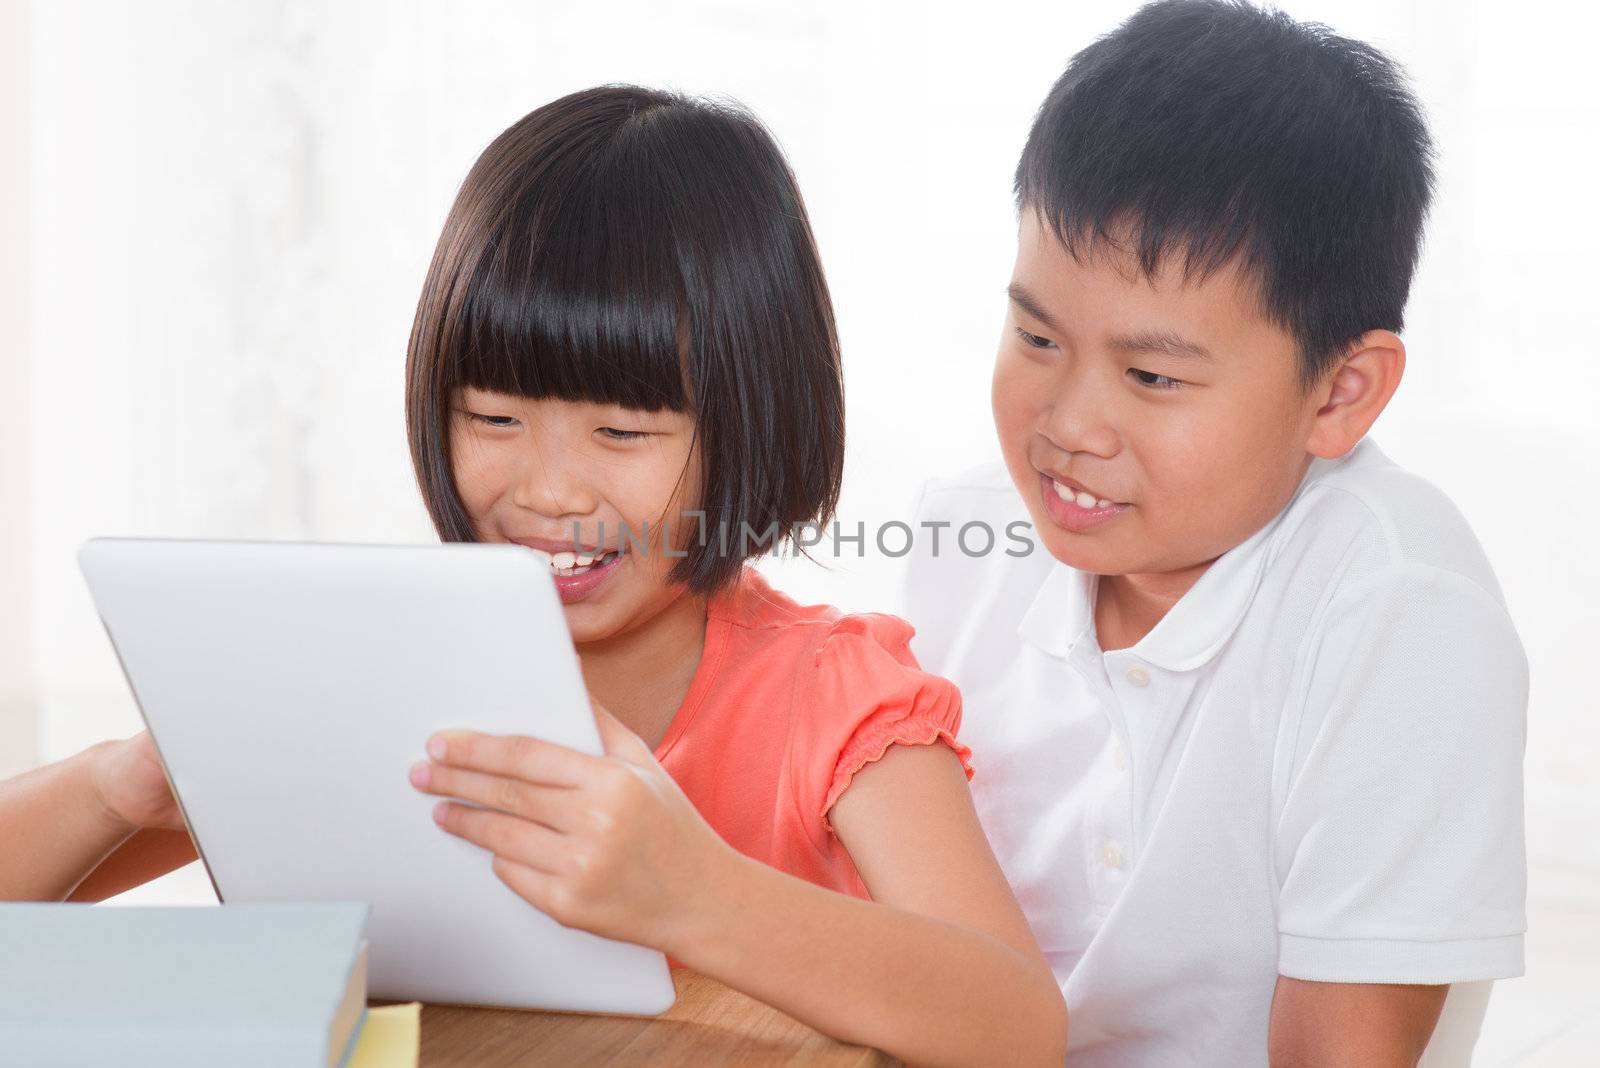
577,301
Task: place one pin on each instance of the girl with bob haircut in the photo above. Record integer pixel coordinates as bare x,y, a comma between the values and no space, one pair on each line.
624,358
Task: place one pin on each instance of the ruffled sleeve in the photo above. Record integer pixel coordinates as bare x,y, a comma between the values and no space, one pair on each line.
866,694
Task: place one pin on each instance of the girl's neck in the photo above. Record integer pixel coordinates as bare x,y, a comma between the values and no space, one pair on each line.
643,675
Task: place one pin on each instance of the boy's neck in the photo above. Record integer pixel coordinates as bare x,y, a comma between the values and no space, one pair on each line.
642,676
1127,607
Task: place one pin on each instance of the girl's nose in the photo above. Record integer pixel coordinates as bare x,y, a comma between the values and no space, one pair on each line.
554,490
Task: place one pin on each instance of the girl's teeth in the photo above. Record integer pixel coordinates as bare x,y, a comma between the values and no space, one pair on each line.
1085,500
567,564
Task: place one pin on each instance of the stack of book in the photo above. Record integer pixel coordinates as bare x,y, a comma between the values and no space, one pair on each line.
283,985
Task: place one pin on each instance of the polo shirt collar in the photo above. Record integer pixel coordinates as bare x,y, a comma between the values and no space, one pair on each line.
1193,630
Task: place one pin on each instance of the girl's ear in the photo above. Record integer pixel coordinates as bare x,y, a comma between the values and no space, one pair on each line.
1355,393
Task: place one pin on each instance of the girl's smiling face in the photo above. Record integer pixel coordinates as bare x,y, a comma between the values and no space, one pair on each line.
549,473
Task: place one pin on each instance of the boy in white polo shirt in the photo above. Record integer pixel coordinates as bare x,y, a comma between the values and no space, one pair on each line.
1249,729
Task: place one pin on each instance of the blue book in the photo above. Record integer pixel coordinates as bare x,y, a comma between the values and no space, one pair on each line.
283,985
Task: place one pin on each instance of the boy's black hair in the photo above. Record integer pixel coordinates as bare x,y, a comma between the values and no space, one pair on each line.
646,249
1221,130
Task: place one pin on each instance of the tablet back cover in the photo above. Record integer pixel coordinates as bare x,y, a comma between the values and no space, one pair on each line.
289,689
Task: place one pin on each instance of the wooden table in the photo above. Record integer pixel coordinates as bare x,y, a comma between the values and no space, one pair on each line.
709,1025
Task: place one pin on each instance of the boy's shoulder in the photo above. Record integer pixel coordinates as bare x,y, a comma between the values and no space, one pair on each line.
1378,516
983,489
950,583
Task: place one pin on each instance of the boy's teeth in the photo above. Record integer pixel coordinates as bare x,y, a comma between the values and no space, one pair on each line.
1082,500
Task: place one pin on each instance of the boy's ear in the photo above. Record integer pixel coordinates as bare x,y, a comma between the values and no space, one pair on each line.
1351,397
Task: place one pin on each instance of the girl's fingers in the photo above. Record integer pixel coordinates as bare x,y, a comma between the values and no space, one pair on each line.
530,844
512,755
540,889
548,805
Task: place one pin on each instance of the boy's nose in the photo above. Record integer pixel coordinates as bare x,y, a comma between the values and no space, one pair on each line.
1076,422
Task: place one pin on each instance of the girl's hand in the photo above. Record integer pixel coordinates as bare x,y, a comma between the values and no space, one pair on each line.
608,844
131,787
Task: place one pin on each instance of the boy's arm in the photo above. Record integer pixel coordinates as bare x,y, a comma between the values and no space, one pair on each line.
1399,842
1360,1025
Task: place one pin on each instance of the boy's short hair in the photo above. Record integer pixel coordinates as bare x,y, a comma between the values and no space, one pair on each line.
1223,131
646,249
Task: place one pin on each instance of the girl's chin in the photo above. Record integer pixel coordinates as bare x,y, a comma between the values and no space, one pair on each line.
591,622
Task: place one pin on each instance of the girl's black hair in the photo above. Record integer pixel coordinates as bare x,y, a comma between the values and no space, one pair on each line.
1220,130
647,249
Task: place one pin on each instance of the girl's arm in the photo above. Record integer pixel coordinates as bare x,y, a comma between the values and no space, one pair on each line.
148,854
61,824
939,968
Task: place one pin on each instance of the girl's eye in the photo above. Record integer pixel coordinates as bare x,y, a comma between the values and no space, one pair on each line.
1033,340
621,435
500,422
1151,380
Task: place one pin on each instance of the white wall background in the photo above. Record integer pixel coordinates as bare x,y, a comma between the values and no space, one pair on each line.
215,220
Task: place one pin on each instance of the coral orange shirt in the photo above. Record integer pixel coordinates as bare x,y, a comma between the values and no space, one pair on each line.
788,703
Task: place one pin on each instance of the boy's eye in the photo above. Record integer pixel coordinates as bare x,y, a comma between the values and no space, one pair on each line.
1033,340
621,435
1152,380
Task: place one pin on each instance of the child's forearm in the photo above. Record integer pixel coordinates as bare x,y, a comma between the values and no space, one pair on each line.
54,830
149,853
918,988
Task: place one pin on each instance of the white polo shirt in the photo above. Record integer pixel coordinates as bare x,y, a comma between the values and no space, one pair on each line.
1311,767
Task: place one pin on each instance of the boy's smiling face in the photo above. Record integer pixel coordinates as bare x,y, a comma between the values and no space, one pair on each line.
1176,405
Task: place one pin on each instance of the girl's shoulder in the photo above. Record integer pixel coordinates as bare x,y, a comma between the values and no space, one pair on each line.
819,636
857,686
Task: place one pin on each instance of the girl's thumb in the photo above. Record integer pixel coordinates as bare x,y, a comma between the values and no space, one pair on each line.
617,739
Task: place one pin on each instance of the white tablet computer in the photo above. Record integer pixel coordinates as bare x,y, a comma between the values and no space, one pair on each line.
289,689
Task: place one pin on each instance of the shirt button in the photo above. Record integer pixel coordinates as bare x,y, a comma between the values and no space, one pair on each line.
1119,758
1138,676
1111,855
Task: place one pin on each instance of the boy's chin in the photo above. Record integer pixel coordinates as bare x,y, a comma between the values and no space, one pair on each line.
1077,552
1100,552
